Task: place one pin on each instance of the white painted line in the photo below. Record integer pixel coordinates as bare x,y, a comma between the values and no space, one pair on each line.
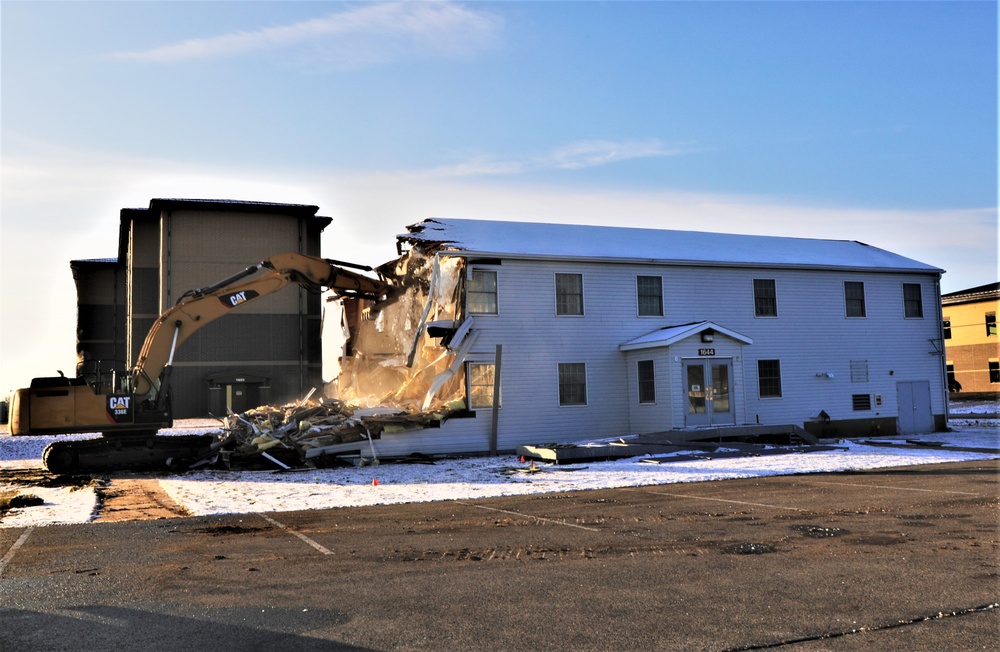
312,543
13,549
878,486
537,518
721,500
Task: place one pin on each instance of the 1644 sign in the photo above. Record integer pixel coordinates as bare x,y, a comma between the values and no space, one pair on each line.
706,351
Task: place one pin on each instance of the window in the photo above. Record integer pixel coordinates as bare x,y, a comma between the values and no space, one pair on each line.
569,294
994,371
765,298
859,371
572,383
913,304
861,402
946,327
854,298
769,378
481,383
649,290
647,382
482,292
991,324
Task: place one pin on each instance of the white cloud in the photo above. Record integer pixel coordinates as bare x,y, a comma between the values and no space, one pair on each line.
573,156
369,34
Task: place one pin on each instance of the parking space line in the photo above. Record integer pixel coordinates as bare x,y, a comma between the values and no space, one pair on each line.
721,500
284,527
879,486
13,549
537,518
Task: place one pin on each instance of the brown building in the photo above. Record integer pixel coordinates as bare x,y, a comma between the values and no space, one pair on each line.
972,347
268,351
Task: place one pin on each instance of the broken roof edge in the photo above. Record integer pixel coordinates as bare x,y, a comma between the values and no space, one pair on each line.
563,242
668,335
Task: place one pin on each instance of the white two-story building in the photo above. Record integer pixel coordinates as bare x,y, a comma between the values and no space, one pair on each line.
603,332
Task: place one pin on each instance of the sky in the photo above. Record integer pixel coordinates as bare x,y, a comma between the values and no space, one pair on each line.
868,121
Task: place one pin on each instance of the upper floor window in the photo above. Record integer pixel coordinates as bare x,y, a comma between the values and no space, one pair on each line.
769,378
481,384
765,298
991,324
946,327
913,303
569,294
572,383
994,366
649,290
854,298
647,381
482,292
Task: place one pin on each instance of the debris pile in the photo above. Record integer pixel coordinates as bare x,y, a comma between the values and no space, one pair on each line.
313,433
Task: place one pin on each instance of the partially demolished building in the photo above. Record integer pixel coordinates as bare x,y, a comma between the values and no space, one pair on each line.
505,334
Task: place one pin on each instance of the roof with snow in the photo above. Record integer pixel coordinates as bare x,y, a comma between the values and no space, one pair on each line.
670,334
568,241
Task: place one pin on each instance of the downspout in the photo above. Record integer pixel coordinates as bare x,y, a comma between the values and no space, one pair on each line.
939,312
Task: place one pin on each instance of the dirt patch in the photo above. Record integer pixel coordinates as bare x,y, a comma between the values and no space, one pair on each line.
135,499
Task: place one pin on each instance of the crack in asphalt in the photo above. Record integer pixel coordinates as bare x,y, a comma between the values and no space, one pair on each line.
875,628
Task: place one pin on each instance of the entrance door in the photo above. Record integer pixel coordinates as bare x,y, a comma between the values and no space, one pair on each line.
914,401
709,400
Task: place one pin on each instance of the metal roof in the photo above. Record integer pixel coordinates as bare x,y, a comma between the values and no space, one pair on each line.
607,243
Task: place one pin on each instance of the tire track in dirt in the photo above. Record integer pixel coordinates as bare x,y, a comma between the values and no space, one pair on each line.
134,499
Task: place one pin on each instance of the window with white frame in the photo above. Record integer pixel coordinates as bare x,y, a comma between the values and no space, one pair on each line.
854,298
482,292
569,294
647,381
769,378
572,383
913,303
765,298
481,383
649,293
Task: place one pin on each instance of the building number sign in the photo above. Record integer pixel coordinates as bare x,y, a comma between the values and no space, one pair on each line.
706,351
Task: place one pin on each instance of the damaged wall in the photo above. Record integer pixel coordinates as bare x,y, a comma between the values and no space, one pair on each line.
392,360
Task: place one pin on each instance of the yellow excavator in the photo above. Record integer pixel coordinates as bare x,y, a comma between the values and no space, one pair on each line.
129,417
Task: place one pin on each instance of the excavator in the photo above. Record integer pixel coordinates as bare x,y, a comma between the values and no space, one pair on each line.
129,416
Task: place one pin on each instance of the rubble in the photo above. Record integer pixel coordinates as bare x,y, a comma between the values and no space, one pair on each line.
313,433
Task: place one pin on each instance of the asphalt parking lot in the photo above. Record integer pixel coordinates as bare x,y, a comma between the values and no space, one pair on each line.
892,559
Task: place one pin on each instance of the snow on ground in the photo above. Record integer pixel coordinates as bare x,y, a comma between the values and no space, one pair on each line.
222,492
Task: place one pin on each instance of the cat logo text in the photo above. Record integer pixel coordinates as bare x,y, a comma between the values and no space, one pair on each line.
234,299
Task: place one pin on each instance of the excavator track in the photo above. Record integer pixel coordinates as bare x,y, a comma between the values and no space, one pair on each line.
134,452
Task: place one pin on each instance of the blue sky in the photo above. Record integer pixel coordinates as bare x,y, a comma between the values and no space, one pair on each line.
871,121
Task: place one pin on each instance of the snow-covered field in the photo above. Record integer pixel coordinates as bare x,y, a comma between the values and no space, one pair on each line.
221,492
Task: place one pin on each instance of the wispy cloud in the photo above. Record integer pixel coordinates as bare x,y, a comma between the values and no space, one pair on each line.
369,34
573,156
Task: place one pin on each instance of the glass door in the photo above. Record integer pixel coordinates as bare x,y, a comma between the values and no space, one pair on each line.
708,387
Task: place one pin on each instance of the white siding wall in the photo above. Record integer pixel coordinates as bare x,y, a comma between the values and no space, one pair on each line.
811,335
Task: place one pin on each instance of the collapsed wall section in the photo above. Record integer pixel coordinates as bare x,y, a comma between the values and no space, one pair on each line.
404,354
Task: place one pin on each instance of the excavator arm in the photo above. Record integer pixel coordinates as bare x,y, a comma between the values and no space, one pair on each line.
197,308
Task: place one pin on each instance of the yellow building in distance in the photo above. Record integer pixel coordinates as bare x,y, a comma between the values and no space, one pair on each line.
972,346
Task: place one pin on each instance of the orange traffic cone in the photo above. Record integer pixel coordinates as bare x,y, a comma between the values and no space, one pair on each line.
375,482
